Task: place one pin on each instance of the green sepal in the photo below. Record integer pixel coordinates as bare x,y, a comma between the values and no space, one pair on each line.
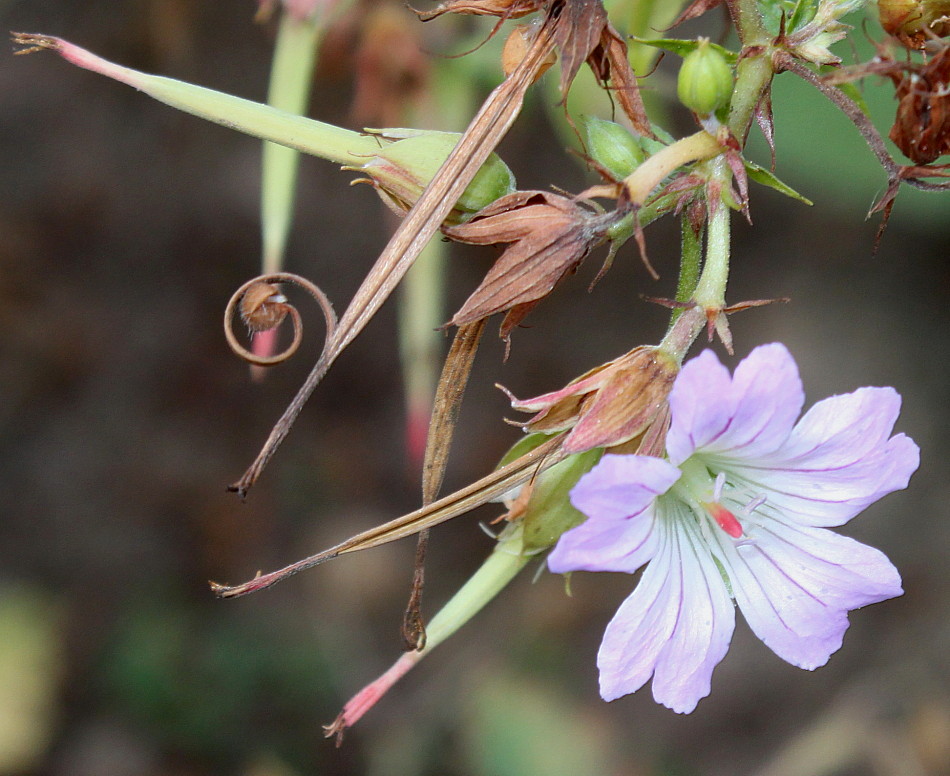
549,512
522,447
801,15
766,178
684,48
404,168
797,14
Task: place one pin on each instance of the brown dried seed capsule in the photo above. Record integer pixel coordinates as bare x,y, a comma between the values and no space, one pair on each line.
263,307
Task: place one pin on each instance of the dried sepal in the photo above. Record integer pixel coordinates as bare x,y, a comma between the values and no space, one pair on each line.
548,236
607,406
578,34
695,9
516,46
921,127
503,9
613,66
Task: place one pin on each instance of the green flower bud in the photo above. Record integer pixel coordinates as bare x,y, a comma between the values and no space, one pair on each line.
402,169
705,79
613,146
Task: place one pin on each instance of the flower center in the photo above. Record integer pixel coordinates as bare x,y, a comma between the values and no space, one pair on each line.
699,488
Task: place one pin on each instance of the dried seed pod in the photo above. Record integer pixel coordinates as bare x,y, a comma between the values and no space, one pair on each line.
263,307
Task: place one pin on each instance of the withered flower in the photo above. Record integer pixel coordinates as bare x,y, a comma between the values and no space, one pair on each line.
922,126
609,405
549,235
582,33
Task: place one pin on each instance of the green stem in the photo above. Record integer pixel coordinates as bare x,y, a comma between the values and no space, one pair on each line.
507,559
710,291
651,173
689,263
753,77
421,313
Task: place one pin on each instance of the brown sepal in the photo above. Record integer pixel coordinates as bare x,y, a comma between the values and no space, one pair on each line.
610,63
578,33
608,405
695,9
549,235
504,9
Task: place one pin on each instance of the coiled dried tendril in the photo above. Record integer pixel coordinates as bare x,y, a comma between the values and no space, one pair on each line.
262,307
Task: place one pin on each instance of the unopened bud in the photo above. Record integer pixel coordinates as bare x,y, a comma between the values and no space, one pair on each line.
613,146
401,170
705,79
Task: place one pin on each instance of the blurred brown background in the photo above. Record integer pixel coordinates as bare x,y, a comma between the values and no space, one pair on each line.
125,226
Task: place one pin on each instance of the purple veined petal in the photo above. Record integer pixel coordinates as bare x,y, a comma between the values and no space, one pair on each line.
768,398
843,429
598,545
747,415
618,497
701,406
620,486
837,461
676,626
795,586
831,499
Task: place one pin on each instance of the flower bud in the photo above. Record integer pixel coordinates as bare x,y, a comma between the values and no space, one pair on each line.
705,79
613,146
402,169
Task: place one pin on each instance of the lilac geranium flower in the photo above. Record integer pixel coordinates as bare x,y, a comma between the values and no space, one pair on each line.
738,512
